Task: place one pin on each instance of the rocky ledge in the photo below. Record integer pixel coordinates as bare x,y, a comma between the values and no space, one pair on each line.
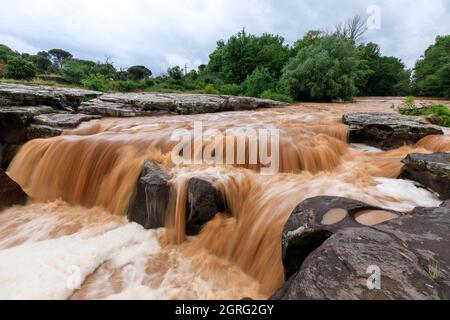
387,130
147,104
430,170
59,98
404,258
31,112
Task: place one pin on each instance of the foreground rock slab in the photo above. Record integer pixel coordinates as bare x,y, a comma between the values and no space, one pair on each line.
58,98
387,130
313,221
147,104
10,192
430,170
411,253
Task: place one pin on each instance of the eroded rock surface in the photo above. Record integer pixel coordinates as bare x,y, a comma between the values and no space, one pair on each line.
63,120
313,221
387,130
58,98
145,104
430,170
411,253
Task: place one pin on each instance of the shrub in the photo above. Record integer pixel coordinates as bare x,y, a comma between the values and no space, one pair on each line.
96,82
131,85
272,95
75,71
438,112
258,81
231,89
19,68
210,89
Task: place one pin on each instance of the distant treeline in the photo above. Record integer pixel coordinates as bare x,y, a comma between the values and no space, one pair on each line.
321,66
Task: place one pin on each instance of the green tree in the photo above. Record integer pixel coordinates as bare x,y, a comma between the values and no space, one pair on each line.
234,60
42,62
20,69
385,76
59,57
432,72
175,73
310,38
75,71
325,70
138,73
258,81
5,53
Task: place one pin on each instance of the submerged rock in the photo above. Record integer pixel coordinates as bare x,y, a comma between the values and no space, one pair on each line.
152,198
430,170
10,192
387,130
147,104
410,253
203,203
314,220
58,98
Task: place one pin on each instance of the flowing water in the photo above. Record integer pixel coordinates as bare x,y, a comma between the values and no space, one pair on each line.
73,241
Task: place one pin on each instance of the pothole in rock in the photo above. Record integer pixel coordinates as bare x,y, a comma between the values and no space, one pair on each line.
334,216
373,217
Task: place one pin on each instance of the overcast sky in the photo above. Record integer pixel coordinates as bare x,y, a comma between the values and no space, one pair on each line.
162,33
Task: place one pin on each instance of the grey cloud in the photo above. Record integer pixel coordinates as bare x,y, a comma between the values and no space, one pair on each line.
164,33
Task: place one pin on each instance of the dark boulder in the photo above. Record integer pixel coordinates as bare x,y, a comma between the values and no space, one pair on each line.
10,192
203,203
153,196
411,254
430,170
387,130
313,221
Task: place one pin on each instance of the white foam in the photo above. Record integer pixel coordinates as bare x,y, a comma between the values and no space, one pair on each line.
45,269
406,194
364,148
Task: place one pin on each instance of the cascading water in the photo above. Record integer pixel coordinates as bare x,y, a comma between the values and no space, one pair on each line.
82,182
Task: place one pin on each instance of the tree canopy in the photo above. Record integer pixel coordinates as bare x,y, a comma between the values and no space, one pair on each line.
327,69
432,72
319,66
237,58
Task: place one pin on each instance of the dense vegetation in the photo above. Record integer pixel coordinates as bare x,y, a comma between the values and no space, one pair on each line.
438,114
321,66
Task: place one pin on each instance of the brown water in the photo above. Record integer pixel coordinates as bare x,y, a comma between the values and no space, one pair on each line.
82,183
